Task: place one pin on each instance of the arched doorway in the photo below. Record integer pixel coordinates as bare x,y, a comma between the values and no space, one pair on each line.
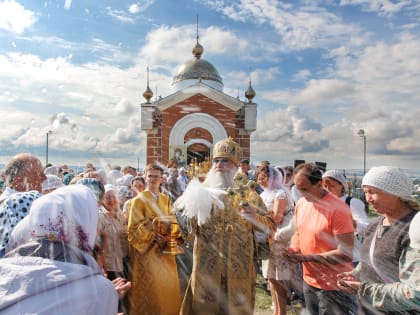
198,151
196,133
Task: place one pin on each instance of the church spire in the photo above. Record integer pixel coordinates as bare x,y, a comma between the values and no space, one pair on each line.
198,49
250,93
148,94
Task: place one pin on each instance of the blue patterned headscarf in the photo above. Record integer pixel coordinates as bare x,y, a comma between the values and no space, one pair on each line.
95,185
14,206
67,178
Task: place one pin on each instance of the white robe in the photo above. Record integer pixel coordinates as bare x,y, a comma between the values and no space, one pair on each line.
34,285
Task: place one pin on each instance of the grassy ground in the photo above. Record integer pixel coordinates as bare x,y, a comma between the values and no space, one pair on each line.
262,297
263,300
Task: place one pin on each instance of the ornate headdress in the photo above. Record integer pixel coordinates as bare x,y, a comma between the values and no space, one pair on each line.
227,148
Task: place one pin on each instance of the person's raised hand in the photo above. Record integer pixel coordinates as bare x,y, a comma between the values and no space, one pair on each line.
122,286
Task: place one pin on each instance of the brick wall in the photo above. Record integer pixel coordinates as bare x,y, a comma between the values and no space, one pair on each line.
158,141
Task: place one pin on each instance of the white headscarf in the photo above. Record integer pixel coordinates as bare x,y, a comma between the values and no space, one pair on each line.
68,214
52,182
275,183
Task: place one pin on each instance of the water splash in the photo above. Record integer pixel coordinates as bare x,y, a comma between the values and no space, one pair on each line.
67,4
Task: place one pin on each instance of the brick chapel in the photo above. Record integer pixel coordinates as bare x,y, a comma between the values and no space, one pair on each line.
186,124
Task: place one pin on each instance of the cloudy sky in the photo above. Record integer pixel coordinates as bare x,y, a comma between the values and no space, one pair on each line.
322,70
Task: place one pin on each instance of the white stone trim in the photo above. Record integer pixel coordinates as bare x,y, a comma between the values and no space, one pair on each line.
180,85
196,120
199,88
198,140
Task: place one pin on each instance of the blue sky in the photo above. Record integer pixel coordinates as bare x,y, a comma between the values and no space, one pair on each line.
322,70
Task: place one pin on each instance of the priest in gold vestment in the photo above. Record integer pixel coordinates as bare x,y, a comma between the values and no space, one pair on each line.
223,276
153,274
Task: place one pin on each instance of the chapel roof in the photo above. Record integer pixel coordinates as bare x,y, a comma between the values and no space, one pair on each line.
197,68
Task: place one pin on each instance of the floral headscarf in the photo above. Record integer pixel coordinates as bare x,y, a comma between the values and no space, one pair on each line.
68,214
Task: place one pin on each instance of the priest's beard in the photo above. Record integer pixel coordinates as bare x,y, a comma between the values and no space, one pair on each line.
220,180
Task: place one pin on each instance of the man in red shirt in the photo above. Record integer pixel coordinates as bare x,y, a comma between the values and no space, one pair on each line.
323,242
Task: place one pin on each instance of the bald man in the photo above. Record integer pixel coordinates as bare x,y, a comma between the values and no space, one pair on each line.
24,172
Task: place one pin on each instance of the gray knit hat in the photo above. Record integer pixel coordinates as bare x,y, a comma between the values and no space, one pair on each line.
393,180
338,176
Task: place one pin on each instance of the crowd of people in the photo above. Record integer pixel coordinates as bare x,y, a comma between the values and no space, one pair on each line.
116,240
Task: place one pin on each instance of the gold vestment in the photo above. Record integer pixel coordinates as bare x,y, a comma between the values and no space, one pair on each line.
154,277
223,276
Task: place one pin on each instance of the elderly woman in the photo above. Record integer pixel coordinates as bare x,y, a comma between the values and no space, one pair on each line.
53,272
387,260
111,230
335,182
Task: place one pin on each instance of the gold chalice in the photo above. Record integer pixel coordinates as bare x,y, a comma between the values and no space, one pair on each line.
167,225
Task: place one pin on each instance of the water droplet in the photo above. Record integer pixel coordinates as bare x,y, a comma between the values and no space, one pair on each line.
67,4
44,90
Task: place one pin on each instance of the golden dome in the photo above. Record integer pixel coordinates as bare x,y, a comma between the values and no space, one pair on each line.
250,93
148,94
198,50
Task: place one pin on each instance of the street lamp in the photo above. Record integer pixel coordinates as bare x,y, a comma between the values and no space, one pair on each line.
362,134
46,148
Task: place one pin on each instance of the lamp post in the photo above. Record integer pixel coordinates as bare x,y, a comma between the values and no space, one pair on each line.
362,134
46,148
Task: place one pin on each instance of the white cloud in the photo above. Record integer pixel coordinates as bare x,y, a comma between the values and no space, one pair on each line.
124,107
134,8
74,92
240,79
324,91
288,132
120,15
404,145
301,75
95,109
164,40
61,119
298,27
142,6
14,17
385,75
374,88
383,7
